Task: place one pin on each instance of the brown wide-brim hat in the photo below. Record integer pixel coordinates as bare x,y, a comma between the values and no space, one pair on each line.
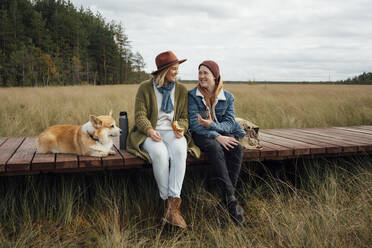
165,60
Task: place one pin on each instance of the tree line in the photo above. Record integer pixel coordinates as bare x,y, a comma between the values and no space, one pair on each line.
50,42
364,78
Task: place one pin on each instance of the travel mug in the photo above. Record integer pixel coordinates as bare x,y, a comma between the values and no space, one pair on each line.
123,125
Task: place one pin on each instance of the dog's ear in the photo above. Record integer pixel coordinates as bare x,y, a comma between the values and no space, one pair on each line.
97,123
110,114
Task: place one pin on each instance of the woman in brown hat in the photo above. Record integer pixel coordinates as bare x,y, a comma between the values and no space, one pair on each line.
214,130
160,136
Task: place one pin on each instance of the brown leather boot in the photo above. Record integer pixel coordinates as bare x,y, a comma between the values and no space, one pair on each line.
165,204
172,214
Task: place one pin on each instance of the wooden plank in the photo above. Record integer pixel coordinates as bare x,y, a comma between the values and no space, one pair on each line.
272,151
300,148
43,162
364,142
251,154
341,135
2,140
366,132
7,149
288,134
343,146
329,146
362,127
131,161
360,145
66,161
347,146
90,162
332,146
366,127
268,150
113,161
354,136
285,143
348,133
21,160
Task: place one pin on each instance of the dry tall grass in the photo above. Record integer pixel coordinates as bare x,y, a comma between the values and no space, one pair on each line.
325,204
27,111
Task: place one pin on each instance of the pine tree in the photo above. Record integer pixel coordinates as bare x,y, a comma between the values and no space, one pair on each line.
46,42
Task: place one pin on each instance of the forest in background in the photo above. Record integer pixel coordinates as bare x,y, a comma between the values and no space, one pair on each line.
51,42
364,78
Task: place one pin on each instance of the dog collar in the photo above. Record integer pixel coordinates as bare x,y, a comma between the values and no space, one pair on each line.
91,136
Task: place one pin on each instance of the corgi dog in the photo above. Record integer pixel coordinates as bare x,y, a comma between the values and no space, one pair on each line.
91,139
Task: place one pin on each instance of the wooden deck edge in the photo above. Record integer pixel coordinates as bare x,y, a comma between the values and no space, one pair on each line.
18,157
194,163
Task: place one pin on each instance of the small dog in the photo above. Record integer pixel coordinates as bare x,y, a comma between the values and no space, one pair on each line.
92,138
251,140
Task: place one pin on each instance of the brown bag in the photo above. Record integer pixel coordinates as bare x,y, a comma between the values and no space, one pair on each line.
251,140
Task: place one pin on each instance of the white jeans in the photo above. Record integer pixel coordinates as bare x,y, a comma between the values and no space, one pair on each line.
171,149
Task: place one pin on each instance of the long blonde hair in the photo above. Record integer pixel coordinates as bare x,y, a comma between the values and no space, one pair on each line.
160,77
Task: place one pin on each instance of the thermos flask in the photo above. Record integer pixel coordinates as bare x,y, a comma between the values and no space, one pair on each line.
123,125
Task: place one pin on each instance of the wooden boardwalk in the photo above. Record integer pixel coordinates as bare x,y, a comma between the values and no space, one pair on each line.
18,155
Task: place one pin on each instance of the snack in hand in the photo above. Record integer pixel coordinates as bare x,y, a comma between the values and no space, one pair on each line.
177,127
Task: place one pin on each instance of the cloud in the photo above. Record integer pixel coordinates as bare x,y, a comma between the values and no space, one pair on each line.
266,40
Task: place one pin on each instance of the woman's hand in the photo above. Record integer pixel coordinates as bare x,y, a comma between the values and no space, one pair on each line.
204,122
227,141
178,134
155,136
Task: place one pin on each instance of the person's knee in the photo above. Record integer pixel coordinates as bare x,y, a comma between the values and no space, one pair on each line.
213,147
159,156
179,149
238,150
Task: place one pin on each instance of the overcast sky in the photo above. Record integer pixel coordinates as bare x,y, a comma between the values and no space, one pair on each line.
290,40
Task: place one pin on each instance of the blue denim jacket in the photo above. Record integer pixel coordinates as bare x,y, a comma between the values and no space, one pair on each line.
224,124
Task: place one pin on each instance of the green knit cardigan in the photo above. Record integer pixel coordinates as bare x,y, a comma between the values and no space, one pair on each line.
146,116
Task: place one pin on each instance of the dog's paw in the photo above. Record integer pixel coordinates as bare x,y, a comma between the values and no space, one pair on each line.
99,154
96,155
112,152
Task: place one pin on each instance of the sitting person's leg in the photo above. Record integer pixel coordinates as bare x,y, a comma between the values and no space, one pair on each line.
225,171
234,159
160,164
177,149
217,171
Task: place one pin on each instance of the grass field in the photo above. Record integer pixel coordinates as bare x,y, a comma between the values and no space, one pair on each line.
27,111
317,203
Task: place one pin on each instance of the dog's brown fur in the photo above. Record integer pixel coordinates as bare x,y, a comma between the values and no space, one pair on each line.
90,139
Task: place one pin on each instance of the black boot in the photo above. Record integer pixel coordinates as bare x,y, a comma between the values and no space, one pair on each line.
235,210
